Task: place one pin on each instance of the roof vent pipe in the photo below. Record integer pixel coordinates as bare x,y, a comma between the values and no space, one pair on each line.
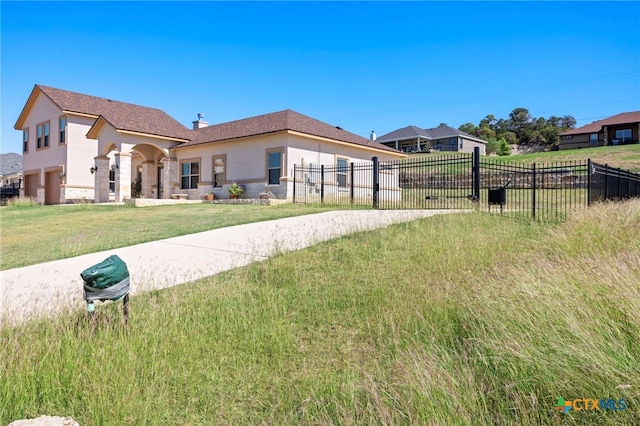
373,136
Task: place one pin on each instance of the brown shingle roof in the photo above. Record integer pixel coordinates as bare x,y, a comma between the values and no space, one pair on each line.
140,119
276,122
123,116
596,126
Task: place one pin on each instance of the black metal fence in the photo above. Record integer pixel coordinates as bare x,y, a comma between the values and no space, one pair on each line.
541,191
609,183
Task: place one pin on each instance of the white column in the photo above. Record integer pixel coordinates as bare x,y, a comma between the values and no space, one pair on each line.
101,179
123,176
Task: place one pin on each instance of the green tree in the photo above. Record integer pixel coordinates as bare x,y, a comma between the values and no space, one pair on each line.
469,128
503,147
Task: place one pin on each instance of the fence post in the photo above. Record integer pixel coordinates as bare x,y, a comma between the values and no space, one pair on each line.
352,184
376,183
619,179
475,168
606,182
589,182
533,193
322,184
295,175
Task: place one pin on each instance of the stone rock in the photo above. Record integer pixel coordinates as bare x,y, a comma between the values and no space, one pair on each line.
46,421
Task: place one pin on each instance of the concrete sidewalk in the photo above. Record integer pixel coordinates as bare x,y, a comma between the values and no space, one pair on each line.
49,288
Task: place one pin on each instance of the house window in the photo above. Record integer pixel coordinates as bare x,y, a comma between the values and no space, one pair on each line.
274,167
112,181
190,175
39,136
46,134
219,171
593,139
623,135
42,135
62,126
25,140
341,173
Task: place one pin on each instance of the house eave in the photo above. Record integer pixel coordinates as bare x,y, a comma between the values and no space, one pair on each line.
350,144
149,135
33,96
80,114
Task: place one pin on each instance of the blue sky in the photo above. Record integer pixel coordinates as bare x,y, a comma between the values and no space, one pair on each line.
362,66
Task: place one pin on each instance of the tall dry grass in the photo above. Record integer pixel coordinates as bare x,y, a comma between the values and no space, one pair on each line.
453,320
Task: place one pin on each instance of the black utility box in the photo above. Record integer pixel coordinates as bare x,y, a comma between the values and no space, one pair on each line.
498,197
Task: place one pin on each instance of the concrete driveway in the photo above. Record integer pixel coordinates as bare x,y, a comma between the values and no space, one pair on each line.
48,288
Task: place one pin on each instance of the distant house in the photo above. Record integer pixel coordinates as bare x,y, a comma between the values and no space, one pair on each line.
10,169
77,146
619,129
441,138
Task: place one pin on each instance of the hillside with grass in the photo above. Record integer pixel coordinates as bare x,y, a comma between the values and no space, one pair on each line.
453,320
626,157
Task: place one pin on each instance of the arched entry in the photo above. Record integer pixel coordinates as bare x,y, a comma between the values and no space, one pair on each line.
149,170
133,165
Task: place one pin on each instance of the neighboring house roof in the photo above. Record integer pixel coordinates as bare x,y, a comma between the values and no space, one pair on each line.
412,132
596,126
122,115
409,132
444,131
10,164
277,122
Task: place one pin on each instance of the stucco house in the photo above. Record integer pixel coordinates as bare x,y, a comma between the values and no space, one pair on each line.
618,129
77,146
441,138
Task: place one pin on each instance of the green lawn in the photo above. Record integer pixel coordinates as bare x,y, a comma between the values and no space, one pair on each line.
469,319
36,234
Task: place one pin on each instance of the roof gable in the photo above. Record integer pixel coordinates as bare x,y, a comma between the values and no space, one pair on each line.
122,115
595,127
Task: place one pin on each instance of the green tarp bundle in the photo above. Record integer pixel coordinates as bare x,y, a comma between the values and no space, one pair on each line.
107,280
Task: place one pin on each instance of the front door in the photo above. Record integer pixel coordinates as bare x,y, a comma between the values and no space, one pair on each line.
159,193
